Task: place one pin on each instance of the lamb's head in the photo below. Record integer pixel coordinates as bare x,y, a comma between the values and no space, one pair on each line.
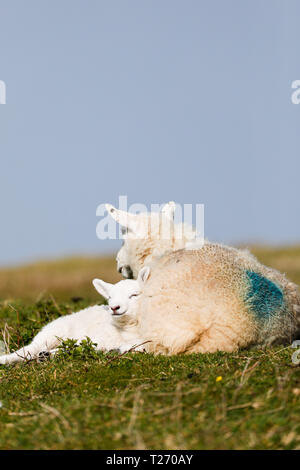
147,236
122,296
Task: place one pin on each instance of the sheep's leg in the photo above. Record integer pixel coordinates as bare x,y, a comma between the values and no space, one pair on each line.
133,345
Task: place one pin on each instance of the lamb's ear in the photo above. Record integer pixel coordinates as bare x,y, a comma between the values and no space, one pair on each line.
144,274
169,210
102,287
125,219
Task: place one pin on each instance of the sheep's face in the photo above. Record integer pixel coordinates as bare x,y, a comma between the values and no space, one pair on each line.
122,297
147,236
124,261
133,255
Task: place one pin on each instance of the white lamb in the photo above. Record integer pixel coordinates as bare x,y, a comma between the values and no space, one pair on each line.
112,326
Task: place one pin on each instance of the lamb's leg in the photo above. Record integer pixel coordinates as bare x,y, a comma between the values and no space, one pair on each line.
45,340
43,355
51,352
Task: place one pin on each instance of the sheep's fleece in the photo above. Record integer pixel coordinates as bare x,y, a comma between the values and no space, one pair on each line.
203,299
216,298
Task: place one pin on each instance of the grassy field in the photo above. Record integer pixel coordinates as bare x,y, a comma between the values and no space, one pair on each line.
83,400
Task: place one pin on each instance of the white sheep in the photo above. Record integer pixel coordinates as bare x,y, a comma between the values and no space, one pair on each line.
212,299
209,299
112,326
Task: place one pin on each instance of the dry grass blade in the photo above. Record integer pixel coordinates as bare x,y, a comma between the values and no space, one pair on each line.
118,356
57,414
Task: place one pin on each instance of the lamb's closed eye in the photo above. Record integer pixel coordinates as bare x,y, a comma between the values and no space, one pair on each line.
133,295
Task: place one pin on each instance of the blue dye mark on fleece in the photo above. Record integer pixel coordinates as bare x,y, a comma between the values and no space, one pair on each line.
264,296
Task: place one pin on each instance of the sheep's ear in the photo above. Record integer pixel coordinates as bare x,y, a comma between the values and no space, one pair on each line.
144,274
102,287
169,210
125,219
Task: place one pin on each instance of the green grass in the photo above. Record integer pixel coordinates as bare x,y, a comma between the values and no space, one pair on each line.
246,400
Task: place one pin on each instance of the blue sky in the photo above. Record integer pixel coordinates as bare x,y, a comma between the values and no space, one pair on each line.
184,100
